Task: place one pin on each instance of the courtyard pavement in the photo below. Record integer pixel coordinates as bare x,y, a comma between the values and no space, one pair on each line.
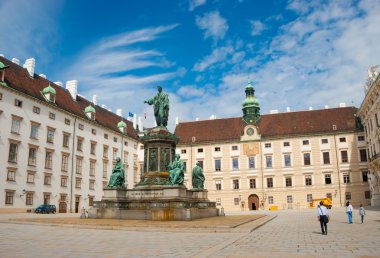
288,233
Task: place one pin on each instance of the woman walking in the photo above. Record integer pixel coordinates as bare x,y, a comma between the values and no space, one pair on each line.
349,210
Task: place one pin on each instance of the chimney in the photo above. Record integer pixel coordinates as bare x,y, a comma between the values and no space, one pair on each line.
310,108
94,99
273,111
119,112
42,75
135,121
15,61
326,107
212,117
140,124
176,120
59,83
287,109
197,119
342,104
104,106
2,55
30,64
72,87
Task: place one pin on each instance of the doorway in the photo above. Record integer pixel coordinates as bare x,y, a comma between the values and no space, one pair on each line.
62,207
253,202
77,198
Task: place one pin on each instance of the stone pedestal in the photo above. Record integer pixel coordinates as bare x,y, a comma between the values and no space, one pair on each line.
375,200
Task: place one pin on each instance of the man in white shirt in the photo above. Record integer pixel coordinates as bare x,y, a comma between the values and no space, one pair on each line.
323,215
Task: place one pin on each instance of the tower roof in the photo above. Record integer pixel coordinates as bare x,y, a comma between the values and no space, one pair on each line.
49,89
90,109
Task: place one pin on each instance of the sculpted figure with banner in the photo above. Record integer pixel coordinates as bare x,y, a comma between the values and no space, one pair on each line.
177,171
198,177
160,103
117,178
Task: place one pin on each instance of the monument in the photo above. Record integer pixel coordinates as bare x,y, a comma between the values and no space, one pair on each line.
161,193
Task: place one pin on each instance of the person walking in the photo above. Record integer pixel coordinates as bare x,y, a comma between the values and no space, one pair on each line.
349,210
323,217
362,213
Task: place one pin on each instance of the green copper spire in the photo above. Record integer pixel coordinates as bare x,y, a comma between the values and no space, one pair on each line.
251,107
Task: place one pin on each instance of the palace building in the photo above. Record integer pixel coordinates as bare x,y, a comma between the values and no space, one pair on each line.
56,147
369,112
278,161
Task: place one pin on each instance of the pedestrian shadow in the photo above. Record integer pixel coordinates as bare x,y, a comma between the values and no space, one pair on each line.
316,232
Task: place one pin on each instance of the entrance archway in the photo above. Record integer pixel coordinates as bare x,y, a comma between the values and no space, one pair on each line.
253,202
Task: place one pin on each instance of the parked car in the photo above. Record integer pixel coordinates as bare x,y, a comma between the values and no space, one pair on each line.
46,208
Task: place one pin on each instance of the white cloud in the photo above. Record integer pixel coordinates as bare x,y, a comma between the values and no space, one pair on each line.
257,27
190,91
195,3
213,24
218,55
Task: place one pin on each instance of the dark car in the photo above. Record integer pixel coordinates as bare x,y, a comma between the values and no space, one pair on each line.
46,208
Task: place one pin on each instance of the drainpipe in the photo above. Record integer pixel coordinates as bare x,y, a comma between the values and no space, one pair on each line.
262,176
72,166
337,167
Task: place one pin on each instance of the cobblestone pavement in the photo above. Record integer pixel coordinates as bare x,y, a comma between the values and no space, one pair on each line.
294,233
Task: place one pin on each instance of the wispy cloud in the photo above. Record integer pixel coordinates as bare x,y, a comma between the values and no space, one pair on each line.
257,27
214,25
195,3
218,55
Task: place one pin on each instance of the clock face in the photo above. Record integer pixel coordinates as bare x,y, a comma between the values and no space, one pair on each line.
250,131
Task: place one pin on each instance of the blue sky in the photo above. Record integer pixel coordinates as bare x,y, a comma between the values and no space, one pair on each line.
298,53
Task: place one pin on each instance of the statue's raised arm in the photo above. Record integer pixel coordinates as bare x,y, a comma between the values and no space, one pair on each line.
160,103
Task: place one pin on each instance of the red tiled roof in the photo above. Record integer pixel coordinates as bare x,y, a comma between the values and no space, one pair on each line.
18,78
271,125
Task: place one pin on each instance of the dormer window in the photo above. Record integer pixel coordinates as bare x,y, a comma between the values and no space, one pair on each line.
90,112
49,93
2,71
122,126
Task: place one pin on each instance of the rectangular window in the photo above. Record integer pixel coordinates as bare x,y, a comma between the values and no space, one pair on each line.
305,142
269,182
346,178
268,145
93,131
327,179
348,195
66,139
200,150
251,162
288,182
105,152
218,185
218,165
306,159
15,125
9,198
218,201
29,199
79,144
93,148
289,199
217,149
308,180
235,147
91,185
18,103
344,156
13,150
183,151
36,110
114,154
78,168
270,199
185,165
65,163
365,176
78,182
32,157
236,183
11,175
342,139
252,183
1,96
30,178
235,164
363,155
268,161
105,165
49,159
47,180
329,195
309,198
367,194
91,201
92,167
286,144
50,135
361,138
67,121
115,140
46,198
34,130
51,115
287,160
80,126
105,136
326,157
236,201
324,141
201,163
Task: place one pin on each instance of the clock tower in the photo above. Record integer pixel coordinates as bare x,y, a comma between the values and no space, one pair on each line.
251,107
